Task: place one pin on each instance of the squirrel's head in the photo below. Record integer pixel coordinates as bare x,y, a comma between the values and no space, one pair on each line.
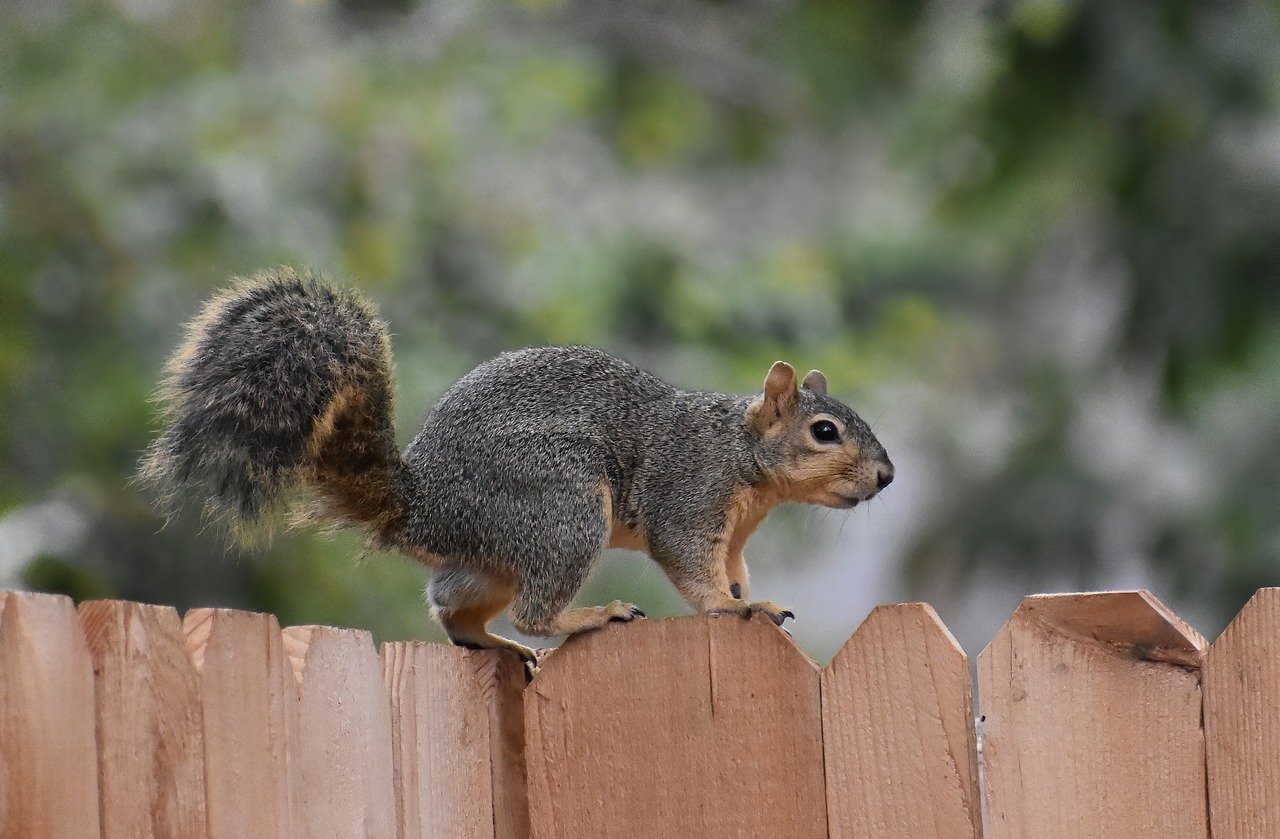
812,448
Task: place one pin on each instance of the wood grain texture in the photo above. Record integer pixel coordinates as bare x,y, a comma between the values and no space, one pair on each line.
48,751
698,726
1242,721
1092,708
457,741
344,734
150,737
897,724
249,701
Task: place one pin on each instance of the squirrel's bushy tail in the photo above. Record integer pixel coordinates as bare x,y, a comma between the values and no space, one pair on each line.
281,381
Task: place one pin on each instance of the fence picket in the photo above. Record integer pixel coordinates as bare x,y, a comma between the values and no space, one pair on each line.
897,726
150,737
1242,721
698,726
249,702
457,741
344,734
1092,709
48,752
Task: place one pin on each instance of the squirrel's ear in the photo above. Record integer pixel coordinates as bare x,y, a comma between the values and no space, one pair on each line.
815,382
778,402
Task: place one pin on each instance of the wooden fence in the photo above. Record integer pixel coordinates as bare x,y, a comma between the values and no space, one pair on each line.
1101,715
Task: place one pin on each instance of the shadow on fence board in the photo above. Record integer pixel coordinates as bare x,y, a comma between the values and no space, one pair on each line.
118,719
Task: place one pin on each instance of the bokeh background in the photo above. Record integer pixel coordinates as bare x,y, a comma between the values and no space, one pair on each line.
1036,244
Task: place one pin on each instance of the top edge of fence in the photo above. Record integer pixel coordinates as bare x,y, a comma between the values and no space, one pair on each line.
593,642
1132,621
1125,617
924,611
1259,602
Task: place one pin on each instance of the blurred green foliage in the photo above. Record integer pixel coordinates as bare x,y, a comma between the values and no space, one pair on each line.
1040,239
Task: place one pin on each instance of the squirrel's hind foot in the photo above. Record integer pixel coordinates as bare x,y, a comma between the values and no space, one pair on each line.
573,621
490,641
629,612
776,613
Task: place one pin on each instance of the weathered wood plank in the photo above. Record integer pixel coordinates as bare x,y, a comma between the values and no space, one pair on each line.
457,741
48,751
696,726
150,734
249,701
897,724
1092,708
344,734
1242,721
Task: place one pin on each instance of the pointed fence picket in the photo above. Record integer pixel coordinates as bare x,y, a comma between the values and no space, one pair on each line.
1102,715
1091,720
344,734
897,724
1242,722
457,724
707,726
48,750
149,720
249,701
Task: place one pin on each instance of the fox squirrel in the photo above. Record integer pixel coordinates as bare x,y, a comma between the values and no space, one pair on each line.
527,468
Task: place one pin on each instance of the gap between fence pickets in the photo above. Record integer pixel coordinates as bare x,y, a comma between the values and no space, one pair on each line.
822,741
1204,739
979,720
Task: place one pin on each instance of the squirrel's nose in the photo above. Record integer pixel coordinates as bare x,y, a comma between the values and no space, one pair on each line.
884,475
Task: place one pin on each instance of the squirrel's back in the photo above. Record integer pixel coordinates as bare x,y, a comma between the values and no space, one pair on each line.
550,389
521,428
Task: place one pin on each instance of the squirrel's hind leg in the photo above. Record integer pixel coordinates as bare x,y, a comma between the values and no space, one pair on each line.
464,600
572,621
555,564
547,589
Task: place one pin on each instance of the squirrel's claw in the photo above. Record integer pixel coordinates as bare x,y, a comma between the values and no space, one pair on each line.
534,662
630,613
779,617
776,613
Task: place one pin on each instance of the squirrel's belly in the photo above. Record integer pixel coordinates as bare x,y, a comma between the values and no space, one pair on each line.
621,536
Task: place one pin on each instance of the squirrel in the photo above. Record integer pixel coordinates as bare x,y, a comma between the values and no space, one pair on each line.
525,470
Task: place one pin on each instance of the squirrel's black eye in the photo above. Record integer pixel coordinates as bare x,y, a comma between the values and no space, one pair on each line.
824,431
